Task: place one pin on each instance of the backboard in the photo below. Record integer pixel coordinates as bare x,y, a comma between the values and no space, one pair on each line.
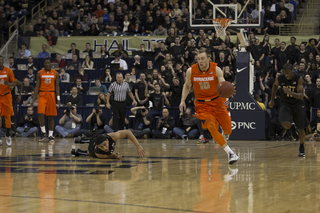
249,14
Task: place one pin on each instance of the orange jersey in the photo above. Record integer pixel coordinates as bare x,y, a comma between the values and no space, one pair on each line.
48,80
204,82
6,75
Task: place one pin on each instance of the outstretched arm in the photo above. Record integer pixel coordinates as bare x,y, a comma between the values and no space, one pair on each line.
128,134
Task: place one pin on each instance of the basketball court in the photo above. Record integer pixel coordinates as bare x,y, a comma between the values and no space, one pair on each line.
176,176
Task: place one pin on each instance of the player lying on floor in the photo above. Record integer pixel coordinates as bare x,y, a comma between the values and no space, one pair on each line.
102,146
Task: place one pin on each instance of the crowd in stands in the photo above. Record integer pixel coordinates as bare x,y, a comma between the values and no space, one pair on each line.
139,17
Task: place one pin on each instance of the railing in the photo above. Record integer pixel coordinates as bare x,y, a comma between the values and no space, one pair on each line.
18,25
6,46
38,7
297,29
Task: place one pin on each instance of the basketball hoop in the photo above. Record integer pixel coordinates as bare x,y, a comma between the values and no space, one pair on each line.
221,24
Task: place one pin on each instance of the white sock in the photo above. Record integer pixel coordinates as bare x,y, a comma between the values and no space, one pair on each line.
50,133
43,129
228,150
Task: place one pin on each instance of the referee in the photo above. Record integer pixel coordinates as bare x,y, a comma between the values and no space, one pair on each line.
119,90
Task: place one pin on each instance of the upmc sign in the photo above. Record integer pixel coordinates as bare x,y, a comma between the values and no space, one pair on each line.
242,105
248,119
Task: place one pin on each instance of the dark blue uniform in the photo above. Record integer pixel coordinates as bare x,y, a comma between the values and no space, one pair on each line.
93,149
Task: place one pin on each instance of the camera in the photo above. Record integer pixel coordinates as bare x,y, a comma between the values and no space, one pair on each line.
184,115
69,107
143,110
29,117
97,111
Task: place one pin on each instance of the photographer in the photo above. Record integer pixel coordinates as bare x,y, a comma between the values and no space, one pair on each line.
96,121
142,127
70,123
28,124
164,126
187,126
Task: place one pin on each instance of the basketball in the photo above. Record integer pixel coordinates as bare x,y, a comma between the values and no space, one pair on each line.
225,89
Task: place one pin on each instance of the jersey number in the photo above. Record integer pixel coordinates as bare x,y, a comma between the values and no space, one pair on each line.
47,80
204,85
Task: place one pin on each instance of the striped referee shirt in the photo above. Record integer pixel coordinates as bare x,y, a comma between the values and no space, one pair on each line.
119,90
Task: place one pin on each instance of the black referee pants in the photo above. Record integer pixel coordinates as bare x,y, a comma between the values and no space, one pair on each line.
119,115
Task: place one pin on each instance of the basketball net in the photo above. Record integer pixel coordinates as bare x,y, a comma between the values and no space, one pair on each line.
221,24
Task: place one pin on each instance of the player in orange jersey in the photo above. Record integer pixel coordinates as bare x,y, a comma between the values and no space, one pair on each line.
7,80
47,86
210,108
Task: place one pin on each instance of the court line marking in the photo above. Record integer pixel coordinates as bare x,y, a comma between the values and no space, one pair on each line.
101,202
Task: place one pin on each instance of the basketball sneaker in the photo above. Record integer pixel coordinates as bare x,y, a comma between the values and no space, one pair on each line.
8,141
226,137
301,151
74,152
42,136
317,134
51,139
77,139
233,158
203,141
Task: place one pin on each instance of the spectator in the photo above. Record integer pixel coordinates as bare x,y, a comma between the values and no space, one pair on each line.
12,65
293,49
137,64
257,98
99,11
70,123
29,100
272,29
311,48
160,54
74,98
118,60
27,88
52,31
73,50
112,26
12,15
181,25
74,64
25,53
126,25
44,53
158,100
282,57
28,125
70,27
96,120
137,30
301,54
158,18
104,52
160,31
82,90
187,126
31,32
176,89
301,70
119,15
61,27
60,62
228,74
150,26
88,50
164,126
88,64
141,91
85,23
81,74
105,16
31,76
177,51
315,95
106,76
142,123
78,31
309,87
102,87
64,77
258,51
102,100
149,70
74,12
93,30
121,52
